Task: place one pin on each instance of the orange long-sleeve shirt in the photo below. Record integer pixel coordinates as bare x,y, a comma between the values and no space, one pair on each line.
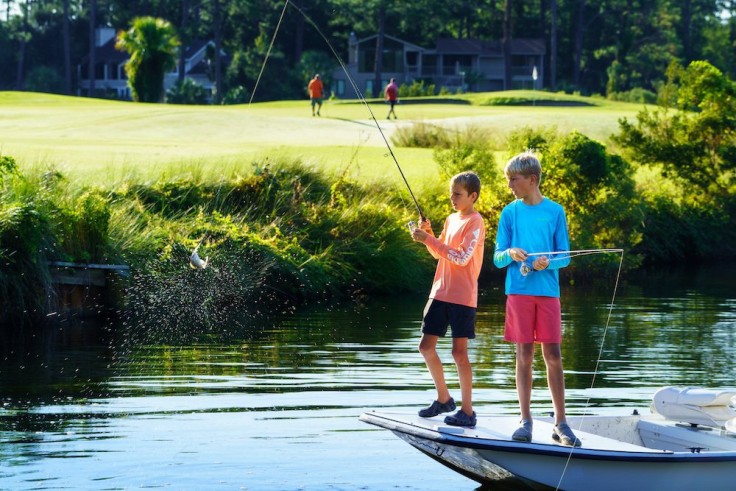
459,250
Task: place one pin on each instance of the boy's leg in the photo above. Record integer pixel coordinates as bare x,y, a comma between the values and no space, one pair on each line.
464,372
428,349
524,360
555,378
562,432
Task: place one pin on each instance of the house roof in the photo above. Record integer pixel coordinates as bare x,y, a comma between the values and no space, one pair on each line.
107,53
489,48
520,46
374,36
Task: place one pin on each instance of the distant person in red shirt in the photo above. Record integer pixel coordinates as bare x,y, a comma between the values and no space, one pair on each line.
316,90
391,95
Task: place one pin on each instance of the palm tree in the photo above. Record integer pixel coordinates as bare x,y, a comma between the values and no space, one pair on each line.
152,44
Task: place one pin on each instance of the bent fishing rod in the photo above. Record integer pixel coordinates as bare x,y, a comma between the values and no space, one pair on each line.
353,84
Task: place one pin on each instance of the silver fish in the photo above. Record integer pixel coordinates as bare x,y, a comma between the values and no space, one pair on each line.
196,262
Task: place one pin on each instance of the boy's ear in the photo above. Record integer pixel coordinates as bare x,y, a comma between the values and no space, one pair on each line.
476,196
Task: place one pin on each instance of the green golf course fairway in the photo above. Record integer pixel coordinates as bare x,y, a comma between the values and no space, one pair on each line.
100,141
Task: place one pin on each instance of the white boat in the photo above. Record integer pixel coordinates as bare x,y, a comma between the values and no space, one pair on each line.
686,443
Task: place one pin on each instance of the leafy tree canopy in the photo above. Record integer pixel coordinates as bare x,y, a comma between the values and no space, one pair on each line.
693,134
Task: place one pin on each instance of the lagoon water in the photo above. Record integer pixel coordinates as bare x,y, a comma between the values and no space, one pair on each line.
277,409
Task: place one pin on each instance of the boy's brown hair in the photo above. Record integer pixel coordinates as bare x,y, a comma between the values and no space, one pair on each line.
469,180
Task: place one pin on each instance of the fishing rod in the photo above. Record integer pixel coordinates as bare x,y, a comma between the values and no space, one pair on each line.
355,88
525,268
576,253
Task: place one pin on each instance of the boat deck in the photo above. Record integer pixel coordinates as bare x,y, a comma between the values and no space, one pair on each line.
500,428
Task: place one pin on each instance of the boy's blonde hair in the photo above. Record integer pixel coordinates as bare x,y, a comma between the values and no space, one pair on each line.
469,180
526,163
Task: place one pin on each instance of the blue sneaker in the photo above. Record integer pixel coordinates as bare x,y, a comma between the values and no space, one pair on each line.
437,407
461,419
562,433
524,432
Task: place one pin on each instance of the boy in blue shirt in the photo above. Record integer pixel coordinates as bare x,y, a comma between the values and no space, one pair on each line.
528,226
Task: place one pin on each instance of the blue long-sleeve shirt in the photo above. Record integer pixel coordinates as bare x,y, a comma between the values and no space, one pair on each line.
534,228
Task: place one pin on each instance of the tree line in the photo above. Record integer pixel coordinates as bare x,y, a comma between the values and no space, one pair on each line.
609,47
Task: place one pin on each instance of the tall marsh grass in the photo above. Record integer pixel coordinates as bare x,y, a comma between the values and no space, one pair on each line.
277,235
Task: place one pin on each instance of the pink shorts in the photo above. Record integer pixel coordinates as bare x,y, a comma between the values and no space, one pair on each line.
532,319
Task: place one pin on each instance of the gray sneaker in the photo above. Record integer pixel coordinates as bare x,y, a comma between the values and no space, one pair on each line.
562,433
437,407
524,432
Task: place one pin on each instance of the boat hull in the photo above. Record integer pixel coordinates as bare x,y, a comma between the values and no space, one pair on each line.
481,455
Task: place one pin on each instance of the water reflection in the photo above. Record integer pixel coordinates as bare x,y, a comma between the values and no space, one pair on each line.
276,407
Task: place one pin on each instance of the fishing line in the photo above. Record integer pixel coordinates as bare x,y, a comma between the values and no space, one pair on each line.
600,349
268,53
355,88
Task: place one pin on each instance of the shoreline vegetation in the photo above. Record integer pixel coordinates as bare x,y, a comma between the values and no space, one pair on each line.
285,230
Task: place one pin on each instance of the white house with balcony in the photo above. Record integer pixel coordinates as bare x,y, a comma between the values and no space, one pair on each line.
469,64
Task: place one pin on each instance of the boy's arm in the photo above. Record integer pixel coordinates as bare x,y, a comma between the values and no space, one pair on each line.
561,243
430,236
501,256
464,253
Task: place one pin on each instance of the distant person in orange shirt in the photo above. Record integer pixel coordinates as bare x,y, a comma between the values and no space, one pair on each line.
316,90
391,94
453,298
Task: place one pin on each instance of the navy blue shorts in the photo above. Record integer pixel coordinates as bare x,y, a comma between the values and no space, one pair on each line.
438,315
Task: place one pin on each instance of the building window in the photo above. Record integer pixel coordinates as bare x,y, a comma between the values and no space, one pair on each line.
368,88
429,65
366,60
339,88
454,64
392,58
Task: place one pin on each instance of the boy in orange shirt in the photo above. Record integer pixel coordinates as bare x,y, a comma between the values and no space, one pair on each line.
453,298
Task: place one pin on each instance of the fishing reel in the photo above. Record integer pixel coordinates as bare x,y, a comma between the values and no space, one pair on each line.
525,269
412,225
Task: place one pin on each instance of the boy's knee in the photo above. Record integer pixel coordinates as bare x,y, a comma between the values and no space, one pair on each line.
460,356
425,348
552,354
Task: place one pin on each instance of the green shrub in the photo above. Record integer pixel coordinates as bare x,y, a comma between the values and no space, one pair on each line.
536,139
417,88
636,95
236,95
44,79
187,92
421,135
8,167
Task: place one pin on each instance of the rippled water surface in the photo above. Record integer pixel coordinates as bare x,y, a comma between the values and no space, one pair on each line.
277,408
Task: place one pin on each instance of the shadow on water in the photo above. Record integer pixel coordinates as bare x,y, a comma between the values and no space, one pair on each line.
117,406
